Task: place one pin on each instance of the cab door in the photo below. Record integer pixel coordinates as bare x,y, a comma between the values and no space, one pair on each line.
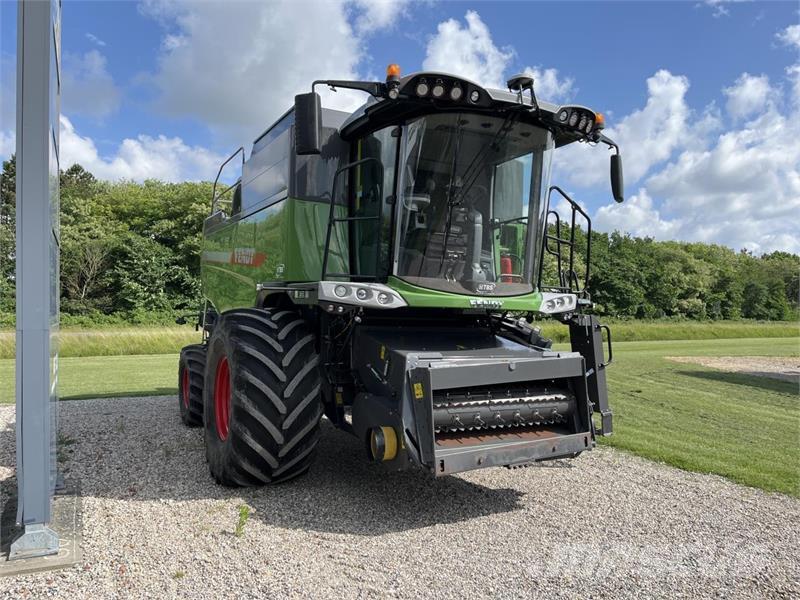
371,203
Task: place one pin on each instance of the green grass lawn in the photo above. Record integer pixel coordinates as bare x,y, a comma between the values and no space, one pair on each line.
123,341
742,427
105,376
119,341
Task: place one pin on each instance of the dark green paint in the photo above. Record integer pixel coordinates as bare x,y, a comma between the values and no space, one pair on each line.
285,242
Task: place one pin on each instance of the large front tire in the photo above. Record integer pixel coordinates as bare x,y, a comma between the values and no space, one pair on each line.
261,397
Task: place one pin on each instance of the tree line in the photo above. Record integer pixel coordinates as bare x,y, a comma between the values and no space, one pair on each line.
131,251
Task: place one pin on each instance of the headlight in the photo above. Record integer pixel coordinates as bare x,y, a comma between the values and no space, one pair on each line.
422,88
553,303
474,95
332,295
582,124
589,126
438,90
563,115
456,93
573,119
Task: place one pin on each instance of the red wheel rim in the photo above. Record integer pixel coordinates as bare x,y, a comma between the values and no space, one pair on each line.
222,398
185,387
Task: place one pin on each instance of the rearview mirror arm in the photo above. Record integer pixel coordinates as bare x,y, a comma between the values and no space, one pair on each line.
599,137
374,88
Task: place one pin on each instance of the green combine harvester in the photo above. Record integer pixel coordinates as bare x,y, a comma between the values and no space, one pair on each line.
384,268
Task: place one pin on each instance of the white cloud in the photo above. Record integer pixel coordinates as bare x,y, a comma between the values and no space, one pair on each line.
237,66
145,157
88,88
750,94
719,7
549,86
790,36
793,75
637,215
8,144
732,179
648,136
8,92
8,106
743,190
378,14
95,40
740,188
468,51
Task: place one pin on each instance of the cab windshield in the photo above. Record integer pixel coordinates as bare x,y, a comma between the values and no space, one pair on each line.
471,203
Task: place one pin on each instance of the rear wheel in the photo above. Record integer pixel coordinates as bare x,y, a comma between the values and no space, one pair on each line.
191,369
262,397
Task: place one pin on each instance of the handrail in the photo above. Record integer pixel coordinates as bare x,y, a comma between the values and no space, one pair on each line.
214,196
566,279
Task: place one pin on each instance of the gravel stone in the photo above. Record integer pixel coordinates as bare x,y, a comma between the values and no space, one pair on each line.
785,368
605,525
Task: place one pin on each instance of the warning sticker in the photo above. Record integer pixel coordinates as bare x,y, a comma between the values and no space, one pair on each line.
419,393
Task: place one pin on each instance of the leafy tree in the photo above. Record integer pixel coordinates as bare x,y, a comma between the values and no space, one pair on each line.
8,237
133,249
754,301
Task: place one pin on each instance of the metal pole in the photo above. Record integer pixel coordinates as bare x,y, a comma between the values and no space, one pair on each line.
37,279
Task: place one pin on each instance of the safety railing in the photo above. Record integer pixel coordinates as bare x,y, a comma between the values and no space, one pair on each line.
555,244
219,198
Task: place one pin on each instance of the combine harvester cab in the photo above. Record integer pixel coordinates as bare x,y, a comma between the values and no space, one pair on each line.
384,268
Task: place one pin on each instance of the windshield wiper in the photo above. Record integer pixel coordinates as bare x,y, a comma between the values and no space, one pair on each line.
450,188
472,172
474,169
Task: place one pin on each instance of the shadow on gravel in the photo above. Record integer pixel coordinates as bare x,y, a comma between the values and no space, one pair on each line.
344,493
139,393
753,380
143,453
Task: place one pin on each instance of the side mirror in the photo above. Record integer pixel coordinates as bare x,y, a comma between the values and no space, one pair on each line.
307,123
617,183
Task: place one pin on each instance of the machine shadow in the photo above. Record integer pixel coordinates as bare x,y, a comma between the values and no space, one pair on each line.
342,493
365,499
754,379
134,393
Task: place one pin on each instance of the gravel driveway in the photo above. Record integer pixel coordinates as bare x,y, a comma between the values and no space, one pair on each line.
604,525
785,368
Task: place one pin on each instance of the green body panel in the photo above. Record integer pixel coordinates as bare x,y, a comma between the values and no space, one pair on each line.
425,298
285,242
282,242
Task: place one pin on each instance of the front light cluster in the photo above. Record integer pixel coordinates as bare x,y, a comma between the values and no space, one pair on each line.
558,303
439,88
372,295
582,120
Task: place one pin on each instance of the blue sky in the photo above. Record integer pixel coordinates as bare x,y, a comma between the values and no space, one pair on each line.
703,96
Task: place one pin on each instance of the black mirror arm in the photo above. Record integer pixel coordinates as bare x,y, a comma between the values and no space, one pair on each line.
599,137
374,88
